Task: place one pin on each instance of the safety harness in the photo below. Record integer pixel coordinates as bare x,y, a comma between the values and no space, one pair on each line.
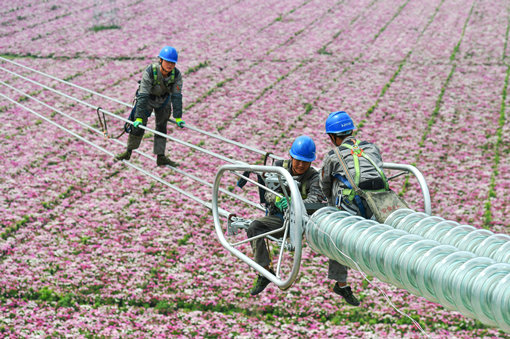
129,127
349,192
171,80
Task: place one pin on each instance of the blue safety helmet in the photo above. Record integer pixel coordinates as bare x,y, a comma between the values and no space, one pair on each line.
303,148
339,123
169,53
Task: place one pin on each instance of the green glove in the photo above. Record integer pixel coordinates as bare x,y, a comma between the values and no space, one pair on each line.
281,203
179,122
137,122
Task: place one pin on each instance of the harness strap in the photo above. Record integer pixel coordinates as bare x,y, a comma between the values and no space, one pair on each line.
355,150
351,195
155,74
352,184
172,76
347,174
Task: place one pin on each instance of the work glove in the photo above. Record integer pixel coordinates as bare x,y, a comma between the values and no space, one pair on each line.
180,122
281,203
137,122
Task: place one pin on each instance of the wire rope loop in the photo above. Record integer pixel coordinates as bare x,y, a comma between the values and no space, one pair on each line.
102,122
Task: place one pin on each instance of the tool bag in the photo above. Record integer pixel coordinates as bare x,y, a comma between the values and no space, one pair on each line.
381,202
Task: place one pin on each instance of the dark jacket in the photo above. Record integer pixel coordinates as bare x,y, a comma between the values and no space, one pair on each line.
310,192
154,93
332,187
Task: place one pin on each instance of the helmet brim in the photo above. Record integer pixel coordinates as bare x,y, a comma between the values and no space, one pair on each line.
302,158
169,60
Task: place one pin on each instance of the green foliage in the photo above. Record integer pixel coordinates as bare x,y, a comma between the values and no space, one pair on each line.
249,103
389,22
46,294
209,92
184,240
98,28
324,51
487,215
9,230
365,282
131,201
66,301
84,240
67,193
164,307
53,268
308,108
457,46
197,67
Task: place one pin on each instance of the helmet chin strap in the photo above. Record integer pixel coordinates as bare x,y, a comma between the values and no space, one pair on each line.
162,68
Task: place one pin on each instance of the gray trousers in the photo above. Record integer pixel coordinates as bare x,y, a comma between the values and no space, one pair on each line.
162,115
336,271
261,226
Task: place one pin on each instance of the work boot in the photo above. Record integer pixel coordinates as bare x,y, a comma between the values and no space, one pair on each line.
260,284
162,161
346,293
123,156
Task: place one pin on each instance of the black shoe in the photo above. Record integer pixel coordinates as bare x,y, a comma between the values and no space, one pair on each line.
346,293
123,156
162,161
260,284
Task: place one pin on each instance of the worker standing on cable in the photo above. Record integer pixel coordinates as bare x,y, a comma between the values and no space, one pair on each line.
159,91
302,154
338,190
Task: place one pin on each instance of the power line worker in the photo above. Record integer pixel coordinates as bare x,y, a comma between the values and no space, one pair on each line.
302,154
159,91
337,189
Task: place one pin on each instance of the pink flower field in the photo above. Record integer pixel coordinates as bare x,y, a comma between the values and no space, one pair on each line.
91,248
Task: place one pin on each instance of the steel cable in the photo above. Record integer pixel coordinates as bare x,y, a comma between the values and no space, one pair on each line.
216,136
224,213
193,177
97,108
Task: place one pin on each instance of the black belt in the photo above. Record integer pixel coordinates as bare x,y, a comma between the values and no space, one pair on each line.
372,184
154,97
